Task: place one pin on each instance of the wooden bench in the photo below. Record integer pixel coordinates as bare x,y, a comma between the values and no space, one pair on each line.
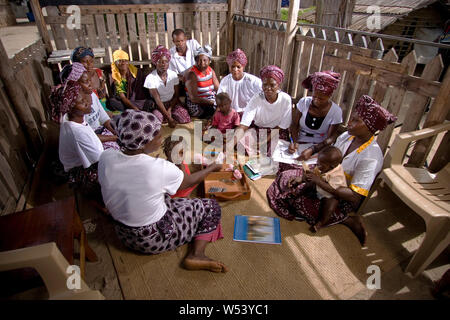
59,56
427,194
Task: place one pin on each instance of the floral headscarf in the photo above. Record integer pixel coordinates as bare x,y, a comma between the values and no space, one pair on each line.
62,99
237,55
159,52
374,116
273,72
81,52
325,82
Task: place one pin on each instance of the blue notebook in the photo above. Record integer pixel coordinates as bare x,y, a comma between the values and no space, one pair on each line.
257,229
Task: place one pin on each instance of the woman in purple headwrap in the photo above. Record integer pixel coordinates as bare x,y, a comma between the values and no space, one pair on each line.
79,146
85,56
147,219
316,118
362,161
269,109
98,119
163,85
240,86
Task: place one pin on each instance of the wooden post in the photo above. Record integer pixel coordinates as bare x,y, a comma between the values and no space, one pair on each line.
437,114
289,39
20,102
231,6
41,25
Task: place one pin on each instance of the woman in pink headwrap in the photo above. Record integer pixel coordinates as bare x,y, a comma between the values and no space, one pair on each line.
362,161
316,118
79,146
163,85
240,86
269,109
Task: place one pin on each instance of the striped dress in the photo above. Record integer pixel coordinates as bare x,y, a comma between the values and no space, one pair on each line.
205,90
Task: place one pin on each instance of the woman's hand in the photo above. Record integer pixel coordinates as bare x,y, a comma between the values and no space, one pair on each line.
295,182
292,148
306,154
216,166
172,122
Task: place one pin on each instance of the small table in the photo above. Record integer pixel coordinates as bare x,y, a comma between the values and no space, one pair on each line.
57,222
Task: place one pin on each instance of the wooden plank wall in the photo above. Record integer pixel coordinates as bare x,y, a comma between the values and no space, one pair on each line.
364,66
138,29
20,148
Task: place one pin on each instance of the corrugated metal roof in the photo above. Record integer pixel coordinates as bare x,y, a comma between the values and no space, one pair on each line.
390,12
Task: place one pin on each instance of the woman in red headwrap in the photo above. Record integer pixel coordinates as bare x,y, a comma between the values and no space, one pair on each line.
362,160
269,109
79,146
163,85
316,118
240,86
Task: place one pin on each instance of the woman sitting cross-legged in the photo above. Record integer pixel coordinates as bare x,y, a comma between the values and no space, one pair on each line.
269,109
316,118
79,146
127,85
362,160
201,85
163,85
136,189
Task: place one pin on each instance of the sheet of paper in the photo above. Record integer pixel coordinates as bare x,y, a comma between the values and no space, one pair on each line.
281,153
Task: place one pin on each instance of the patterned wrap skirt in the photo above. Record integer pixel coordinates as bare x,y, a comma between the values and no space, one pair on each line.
183,221
197,110
179,113
108,144
85,180
299,202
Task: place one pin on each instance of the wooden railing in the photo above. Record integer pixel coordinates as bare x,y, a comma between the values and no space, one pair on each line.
365,65
138,28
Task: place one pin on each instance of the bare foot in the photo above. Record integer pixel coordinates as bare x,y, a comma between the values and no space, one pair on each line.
316,227
355,224
204,263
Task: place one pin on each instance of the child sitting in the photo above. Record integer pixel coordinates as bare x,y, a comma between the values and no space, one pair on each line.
225,116
173,147
328,173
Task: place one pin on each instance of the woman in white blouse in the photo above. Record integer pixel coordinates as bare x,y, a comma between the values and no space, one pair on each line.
362,161
136,189
163,85
269,109
240,86
315,119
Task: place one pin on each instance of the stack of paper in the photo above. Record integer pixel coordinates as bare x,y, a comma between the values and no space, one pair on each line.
282,154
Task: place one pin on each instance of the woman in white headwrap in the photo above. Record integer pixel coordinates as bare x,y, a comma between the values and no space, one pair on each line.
201,85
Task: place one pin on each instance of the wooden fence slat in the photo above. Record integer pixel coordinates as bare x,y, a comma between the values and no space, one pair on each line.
223,33
205,28
7,177
188,26
380,88
179,22
112,32
143,36
142,8
316,60
214,28
294,73
151,30
280,43
170,28
134,44
273,45
304,67
161,29
57,31
122,32
432,71
197,27
71,38
100,22
92,36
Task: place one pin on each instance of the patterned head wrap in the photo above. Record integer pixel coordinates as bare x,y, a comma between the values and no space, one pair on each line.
72,72
81,52
374,116
206,50
325,82
237,55
136,128
272,72
115,73
62,99
159,52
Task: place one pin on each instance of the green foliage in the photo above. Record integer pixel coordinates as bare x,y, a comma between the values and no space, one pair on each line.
285,13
